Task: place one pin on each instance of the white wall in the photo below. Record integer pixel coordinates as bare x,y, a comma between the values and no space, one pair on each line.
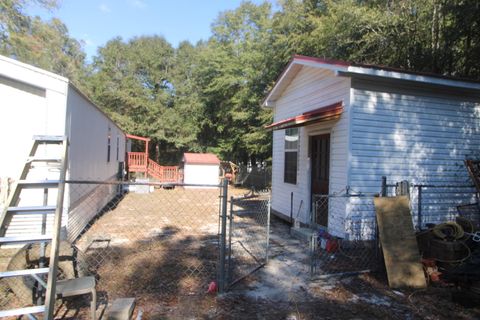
412,133
32,103
25,111
88,131
201,174
309,90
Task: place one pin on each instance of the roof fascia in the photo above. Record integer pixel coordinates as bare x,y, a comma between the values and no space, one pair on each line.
352,71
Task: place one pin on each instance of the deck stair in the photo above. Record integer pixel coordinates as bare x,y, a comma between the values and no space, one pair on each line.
45,276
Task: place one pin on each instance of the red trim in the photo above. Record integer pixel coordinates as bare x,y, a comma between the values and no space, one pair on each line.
326,113
381,67
131,136
322,60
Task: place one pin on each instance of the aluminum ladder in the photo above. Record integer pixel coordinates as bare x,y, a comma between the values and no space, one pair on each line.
13,207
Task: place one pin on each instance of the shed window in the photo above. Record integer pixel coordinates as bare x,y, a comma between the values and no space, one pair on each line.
291,156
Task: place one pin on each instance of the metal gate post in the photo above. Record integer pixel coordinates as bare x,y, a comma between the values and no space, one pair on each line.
223,237
419,208
268,229
230,234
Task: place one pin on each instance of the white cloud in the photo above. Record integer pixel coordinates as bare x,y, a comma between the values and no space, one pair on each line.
104,8
137,4
88,42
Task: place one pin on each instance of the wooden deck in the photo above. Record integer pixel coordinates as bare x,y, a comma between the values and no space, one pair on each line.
139,162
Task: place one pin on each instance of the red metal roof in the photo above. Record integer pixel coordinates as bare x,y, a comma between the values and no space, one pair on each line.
200,158
326,113
351,69
379,67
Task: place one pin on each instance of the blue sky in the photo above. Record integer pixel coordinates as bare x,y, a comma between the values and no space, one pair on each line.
97,21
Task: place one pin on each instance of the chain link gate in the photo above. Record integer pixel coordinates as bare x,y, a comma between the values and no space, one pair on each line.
352,246
153,241
247,236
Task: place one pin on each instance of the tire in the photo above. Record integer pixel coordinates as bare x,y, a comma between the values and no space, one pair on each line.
71,264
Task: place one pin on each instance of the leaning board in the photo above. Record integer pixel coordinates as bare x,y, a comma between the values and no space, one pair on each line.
399,244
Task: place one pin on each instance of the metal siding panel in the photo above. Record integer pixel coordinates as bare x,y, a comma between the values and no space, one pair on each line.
409,134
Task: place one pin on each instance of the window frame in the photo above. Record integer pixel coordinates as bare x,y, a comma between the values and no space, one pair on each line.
109,144
290,160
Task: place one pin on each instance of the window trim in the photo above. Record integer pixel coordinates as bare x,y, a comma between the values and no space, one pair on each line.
292,152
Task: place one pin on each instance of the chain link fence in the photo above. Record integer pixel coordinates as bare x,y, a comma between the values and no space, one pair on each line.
433,204
350,244
248,235
145,240
255,177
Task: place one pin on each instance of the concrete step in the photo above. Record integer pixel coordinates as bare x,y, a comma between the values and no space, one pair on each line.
302,234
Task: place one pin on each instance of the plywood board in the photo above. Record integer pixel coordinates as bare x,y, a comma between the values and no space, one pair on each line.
399,245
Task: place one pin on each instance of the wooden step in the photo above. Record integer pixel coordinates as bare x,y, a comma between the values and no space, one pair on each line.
22,311
32,210
43,159
25,239
24,272
49,139
76,286
121,309
32,184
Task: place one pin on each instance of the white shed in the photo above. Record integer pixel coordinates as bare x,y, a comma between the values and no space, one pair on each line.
340,126
201,168
37,102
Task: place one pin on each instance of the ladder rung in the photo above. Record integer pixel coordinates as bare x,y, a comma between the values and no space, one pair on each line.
43,159
51,139
32,210
29,184
25,239
22,311
24,272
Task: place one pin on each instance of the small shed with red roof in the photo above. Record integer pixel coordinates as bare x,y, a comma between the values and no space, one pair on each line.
201,168
340,127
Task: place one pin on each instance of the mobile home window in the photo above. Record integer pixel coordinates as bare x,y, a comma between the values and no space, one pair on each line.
109,143
118,146
291,156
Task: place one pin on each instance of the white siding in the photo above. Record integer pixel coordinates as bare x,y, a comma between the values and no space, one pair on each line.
412,133
32,103
26,111
309,90
35,102
88,130
201,174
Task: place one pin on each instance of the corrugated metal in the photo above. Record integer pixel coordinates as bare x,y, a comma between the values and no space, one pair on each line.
326,113
200,158
87,207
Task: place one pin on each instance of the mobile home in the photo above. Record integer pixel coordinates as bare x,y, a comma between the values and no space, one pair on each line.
37,102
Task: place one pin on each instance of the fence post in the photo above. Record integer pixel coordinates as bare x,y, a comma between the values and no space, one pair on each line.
230,234
268,229
384,186
313,249
419,208
223,237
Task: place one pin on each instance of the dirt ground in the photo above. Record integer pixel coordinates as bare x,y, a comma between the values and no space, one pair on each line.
161,249
283,290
